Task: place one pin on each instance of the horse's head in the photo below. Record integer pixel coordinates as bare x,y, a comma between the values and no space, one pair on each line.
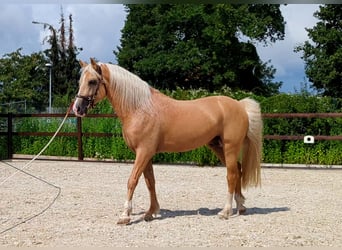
92,88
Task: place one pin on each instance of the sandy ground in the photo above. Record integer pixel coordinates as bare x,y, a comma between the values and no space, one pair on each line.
294,207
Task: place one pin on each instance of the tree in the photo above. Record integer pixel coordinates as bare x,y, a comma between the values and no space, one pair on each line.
63,56
196,46
23,78
72,64
323,56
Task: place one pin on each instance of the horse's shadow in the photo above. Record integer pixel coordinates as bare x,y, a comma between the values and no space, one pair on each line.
257,210
167,214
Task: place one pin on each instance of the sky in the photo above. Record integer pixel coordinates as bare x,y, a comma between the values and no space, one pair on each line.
97,29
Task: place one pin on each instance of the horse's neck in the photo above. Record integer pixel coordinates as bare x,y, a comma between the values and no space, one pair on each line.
121,113
158,99
116,98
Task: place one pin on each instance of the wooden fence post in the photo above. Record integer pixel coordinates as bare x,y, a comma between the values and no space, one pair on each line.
9,136
79,139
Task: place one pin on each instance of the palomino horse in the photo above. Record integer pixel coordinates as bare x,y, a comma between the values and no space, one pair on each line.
153,123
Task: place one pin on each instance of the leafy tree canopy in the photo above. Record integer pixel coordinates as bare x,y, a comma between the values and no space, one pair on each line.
194,46
323,54
23,78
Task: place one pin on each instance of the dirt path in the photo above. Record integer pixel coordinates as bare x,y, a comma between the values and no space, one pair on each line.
294,207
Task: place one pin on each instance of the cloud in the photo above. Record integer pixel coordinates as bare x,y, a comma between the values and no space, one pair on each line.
16,29
298,17
289,65
98,29
45,14
96,26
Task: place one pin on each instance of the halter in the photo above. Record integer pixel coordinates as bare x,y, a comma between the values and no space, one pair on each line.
91,98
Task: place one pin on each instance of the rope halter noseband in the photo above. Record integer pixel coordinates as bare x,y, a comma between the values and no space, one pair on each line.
89,99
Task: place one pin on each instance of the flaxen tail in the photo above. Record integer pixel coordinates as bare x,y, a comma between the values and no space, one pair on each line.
252,149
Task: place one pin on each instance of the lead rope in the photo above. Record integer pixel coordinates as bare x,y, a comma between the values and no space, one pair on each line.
38,178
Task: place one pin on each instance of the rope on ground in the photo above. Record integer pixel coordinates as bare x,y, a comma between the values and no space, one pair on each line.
35,177
42,211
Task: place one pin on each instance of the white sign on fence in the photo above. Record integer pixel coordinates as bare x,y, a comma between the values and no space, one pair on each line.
309,139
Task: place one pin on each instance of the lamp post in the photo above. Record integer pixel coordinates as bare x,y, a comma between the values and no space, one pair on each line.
49,65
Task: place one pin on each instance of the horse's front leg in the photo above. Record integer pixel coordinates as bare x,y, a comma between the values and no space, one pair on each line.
140,164
150,183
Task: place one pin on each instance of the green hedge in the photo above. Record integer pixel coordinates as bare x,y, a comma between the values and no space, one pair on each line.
322,152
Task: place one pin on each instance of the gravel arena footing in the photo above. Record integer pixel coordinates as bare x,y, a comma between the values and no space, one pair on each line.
293,207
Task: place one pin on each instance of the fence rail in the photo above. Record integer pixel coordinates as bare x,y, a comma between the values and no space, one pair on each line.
303,115
79,134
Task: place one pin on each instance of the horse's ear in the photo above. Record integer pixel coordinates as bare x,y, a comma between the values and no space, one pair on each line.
83,64
95,66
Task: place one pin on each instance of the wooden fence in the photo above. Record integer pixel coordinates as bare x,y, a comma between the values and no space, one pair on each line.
80,134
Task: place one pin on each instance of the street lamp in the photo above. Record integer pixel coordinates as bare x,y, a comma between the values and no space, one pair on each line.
49,65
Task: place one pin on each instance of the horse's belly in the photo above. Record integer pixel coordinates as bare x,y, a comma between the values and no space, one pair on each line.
183,136
181,145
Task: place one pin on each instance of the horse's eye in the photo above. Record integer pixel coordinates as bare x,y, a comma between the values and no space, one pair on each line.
92,82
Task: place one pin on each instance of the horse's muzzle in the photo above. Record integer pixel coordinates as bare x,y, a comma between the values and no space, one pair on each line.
80,107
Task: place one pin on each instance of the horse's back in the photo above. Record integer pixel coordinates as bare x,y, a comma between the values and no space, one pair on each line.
221,109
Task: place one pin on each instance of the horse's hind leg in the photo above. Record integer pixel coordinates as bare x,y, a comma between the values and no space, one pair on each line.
216,146
239,198
231,154
150,183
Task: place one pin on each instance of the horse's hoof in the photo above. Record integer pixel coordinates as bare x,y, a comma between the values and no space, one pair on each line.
242,211
223,215
123,221
148,217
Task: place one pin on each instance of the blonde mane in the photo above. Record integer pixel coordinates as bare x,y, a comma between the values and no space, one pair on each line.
131,92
